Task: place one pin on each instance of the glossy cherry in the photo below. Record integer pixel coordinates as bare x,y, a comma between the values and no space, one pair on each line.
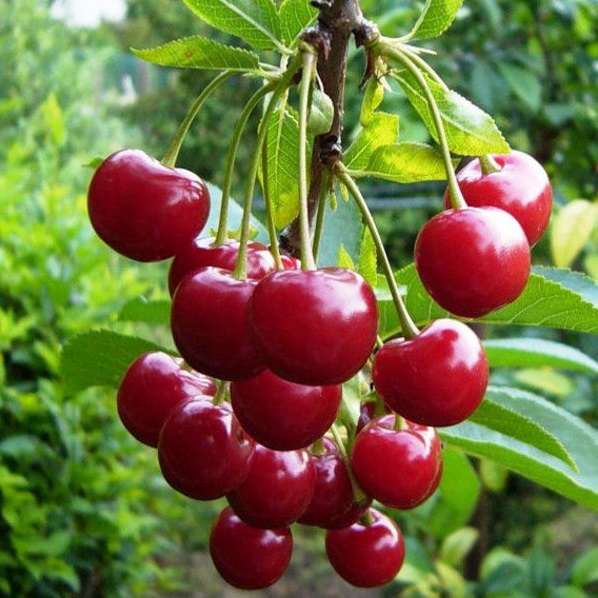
246,557
367,555
202,252
398,467
203,451
151,387
472,260
521,187
314,327
143,209
283,415
277,488
438,378
208,320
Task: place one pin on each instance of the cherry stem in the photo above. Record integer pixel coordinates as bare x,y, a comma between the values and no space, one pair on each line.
309,59
254,100
399,423
408,327
489,164
221,393
358,494
319,226
172,153
269,213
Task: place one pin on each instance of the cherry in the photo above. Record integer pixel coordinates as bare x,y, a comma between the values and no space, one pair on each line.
332,505
152,385
472,260
283,415
202,252
246,557
203,451
314,327
369,410
277,488
143,209
437,378
289,262
399,468
521,187
368,554
209,324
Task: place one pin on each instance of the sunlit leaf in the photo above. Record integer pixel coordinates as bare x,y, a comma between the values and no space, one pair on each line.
435,18
295,15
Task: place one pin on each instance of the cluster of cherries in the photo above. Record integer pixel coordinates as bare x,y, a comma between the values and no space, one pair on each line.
248,410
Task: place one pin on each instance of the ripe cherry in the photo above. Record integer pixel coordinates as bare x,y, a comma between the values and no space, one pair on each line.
143,209
246,557
283,415
398,467
209,324
203,451
438,378
314,327
367,554
521,187
202,252
472,260
150,388
277,488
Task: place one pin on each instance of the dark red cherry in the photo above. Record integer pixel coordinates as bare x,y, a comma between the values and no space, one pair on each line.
152,385
290,263
437,378
202,252
143,209
314,327
208,320
283,415
472,260
399,468
246,557
521,187
277,488
203,451
367,555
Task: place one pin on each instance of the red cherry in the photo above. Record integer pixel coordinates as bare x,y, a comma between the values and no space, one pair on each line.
150,388
290,263
367,555
277,488
203,451
246,557
143,209
202,252
283,415
314,327
399,468
473,260
437,378
209,324
521,187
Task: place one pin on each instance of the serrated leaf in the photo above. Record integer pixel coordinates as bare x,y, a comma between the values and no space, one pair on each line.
469,130
368,263
100,358
405,162
344,259
295,15
372,98
254,21
537,352
200,53
436,17
579,440
382,129
141,309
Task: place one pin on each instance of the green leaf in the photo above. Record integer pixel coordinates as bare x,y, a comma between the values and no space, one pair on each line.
406,162
143,310
344,259
100,358
436,17
571,229
367,265
254,21
456,545
537,352
578,438
200,53
469,130
382,129
295,15
372,98
585,568
523,83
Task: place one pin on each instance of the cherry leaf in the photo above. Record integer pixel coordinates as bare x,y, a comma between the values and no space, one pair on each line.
435,18
295,15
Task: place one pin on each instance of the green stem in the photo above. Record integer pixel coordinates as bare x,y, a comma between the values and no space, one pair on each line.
358,494
319,224
221,393
255,99
408,327
489,164
172,153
